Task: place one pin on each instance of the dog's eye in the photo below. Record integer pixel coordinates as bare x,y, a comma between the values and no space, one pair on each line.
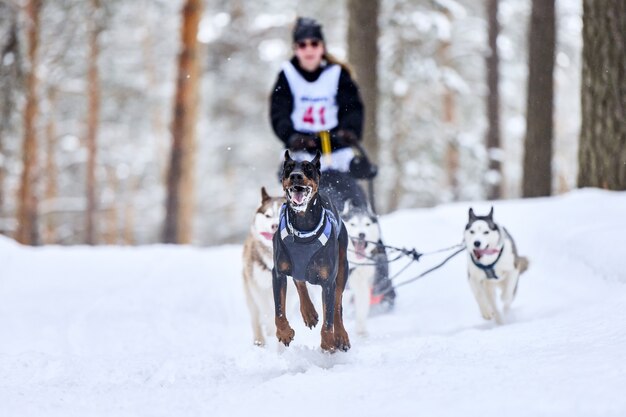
269,216
486,233
471,232
288,167
308,170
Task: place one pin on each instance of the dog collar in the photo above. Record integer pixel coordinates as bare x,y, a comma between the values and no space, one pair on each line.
489,269
325,225
308,234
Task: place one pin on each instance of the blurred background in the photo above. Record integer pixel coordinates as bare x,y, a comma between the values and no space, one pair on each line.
90,93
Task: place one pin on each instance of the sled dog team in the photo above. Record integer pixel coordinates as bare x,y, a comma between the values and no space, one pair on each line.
302,238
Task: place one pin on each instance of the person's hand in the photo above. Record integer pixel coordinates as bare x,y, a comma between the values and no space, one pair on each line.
299,142
346,138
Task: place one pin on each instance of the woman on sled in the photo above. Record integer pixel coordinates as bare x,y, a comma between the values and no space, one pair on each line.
316,105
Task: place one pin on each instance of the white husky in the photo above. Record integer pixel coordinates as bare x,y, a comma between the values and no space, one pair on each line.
363,230
493,263
258,262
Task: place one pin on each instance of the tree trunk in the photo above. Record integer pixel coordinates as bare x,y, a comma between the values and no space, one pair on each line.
51,189
494,190
179,200
110,234
539,105
93,94
27,200
363,56
602,149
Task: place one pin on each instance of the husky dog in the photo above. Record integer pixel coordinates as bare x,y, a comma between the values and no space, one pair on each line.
363,232
493,262
258,262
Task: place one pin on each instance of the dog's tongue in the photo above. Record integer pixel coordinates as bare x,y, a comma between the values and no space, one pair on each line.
359,248
267,235
479,253
298,197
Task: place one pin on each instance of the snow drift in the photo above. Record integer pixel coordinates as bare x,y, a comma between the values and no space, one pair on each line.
164,331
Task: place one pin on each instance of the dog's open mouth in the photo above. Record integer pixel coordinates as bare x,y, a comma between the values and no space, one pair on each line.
267,235
479,253
299,195
359,247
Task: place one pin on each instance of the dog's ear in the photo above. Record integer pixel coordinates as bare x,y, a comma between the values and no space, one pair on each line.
346,207
472,216
316,161
287,156
368,206
264,195
490,215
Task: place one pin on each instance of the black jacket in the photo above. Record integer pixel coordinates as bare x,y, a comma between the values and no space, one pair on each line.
350,117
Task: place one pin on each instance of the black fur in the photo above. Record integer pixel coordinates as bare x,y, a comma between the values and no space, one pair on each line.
330,260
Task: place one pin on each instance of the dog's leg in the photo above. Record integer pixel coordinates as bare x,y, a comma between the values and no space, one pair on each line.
509,289
284,332
328,300
359,283
342,341
255,317
309,315
479,295
490,293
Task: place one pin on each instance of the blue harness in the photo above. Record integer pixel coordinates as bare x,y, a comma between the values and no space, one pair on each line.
303,246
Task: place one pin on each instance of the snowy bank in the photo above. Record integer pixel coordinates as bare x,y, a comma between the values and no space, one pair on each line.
164,330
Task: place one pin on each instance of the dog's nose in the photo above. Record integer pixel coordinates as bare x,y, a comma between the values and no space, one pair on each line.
274,227
296,176
361,235
476,243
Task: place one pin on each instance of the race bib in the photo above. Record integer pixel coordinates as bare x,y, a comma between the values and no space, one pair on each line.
315,105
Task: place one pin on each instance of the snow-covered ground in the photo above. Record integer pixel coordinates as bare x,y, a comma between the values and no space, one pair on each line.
164,331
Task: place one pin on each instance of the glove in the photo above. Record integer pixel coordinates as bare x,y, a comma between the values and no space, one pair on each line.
345,138
299,142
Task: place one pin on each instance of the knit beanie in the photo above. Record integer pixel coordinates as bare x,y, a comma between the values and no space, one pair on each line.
307,28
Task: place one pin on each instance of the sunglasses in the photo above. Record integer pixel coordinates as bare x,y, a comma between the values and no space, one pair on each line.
313,44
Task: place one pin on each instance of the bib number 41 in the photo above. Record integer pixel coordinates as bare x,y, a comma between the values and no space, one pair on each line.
309,116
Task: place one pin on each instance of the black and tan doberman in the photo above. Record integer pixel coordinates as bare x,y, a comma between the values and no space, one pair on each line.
310,246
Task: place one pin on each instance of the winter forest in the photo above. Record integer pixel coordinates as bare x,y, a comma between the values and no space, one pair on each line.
140,277
465,100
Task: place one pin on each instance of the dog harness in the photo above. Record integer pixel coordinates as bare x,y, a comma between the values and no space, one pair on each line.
302,246
489,269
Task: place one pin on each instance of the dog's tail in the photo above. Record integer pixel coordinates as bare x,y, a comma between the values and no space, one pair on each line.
522,264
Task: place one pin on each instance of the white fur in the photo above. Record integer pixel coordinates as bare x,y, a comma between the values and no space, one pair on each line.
362,276
486,290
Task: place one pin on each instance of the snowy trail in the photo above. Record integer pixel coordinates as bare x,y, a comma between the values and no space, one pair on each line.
164,331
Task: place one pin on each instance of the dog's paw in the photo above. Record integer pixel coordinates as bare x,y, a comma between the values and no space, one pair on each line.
498,318
486,312
342,341
310,317
284,332
285,335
